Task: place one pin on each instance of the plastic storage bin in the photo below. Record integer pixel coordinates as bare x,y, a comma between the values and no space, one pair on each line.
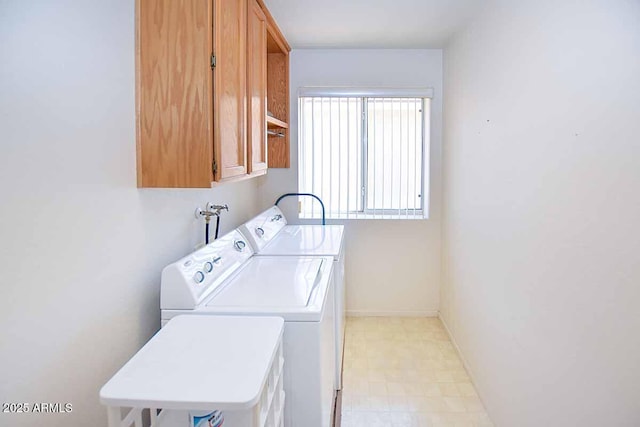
203,371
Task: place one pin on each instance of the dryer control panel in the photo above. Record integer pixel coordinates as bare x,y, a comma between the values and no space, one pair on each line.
186,282
264,227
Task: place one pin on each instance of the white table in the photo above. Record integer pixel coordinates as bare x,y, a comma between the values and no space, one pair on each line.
197,364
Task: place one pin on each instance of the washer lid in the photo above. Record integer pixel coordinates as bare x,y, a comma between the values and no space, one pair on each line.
321,240
271,283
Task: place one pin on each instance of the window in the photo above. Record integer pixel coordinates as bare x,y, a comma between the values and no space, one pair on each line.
364,156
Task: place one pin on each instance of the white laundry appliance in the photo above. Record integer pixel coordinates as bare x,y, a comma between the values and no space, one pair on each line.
270,235
224,278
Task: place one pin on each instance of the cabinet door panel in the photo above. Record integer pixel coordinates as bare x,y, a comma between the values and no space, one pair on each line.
173,103
229,91
257,87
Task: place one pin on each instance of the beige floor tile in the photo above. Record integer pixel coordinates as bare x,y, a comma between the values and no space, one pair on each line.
466,389
445,376
403,419
473,404
432,390
398,403
424,419
449,389
378,388
455,404
376,375
434,404
414,388
404,372
359,403
396,388
379,403
416,403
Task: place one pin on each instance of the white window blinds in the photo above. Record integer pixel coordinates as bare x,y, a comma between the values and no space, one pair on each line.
365,157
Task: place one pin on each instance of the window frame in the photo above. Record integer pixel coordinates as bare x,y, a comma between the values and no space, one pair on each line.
365,164
364,94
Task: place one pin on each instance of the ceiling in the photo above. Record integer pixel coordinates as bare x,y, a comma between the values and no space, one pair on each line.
371,23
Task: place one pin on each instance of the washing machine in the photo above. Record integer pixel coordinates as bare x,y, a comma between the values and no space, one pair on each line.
224,278
270,235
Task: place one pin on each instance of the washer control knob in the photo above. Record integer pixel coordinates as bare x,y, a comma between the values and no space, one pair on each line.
259,232
198,277
208,267
239,245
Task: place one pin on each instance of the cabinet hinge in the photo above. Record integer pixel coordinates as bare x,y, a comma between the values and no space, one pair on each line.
213,61
214,167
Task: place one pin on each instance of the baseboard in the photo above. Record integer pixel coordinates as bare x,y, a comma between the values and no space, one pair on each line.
371,313
455,344
462,358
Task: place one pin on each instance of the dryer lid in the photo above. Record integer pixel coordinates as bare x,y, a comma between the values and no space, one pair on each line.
321,240
271,283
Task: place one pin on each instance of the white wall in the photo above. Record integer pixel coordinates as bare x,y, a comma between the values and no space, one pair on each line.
542,208
82,247
393,267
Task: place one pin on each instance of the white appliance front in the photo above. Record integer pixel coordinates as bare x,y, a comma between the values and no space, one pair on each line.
270,235
298,289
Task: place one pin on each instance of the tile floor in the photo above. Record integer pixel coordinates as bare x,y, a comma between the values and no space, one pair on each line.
404,372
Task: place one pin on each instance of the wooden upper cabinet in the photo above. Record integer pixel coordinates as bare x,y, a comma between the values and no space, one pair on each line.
230,88
205,76
173,101
277,95
256,87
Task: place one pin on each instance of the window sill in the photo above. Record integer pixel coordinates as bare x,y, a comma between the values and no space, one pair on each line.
366,216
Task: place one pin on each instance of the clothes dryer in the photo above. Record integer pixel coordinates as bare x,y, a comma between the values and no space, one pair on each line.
270,235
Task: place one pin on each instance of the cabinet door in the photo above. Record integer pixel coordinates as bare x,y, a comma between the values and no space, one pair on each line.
229,89
257,87
173,93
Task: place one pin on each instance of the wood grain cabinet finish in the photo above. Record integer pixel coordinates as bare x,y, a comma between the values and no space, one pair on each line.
229,89
202,81
173,97
257,87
